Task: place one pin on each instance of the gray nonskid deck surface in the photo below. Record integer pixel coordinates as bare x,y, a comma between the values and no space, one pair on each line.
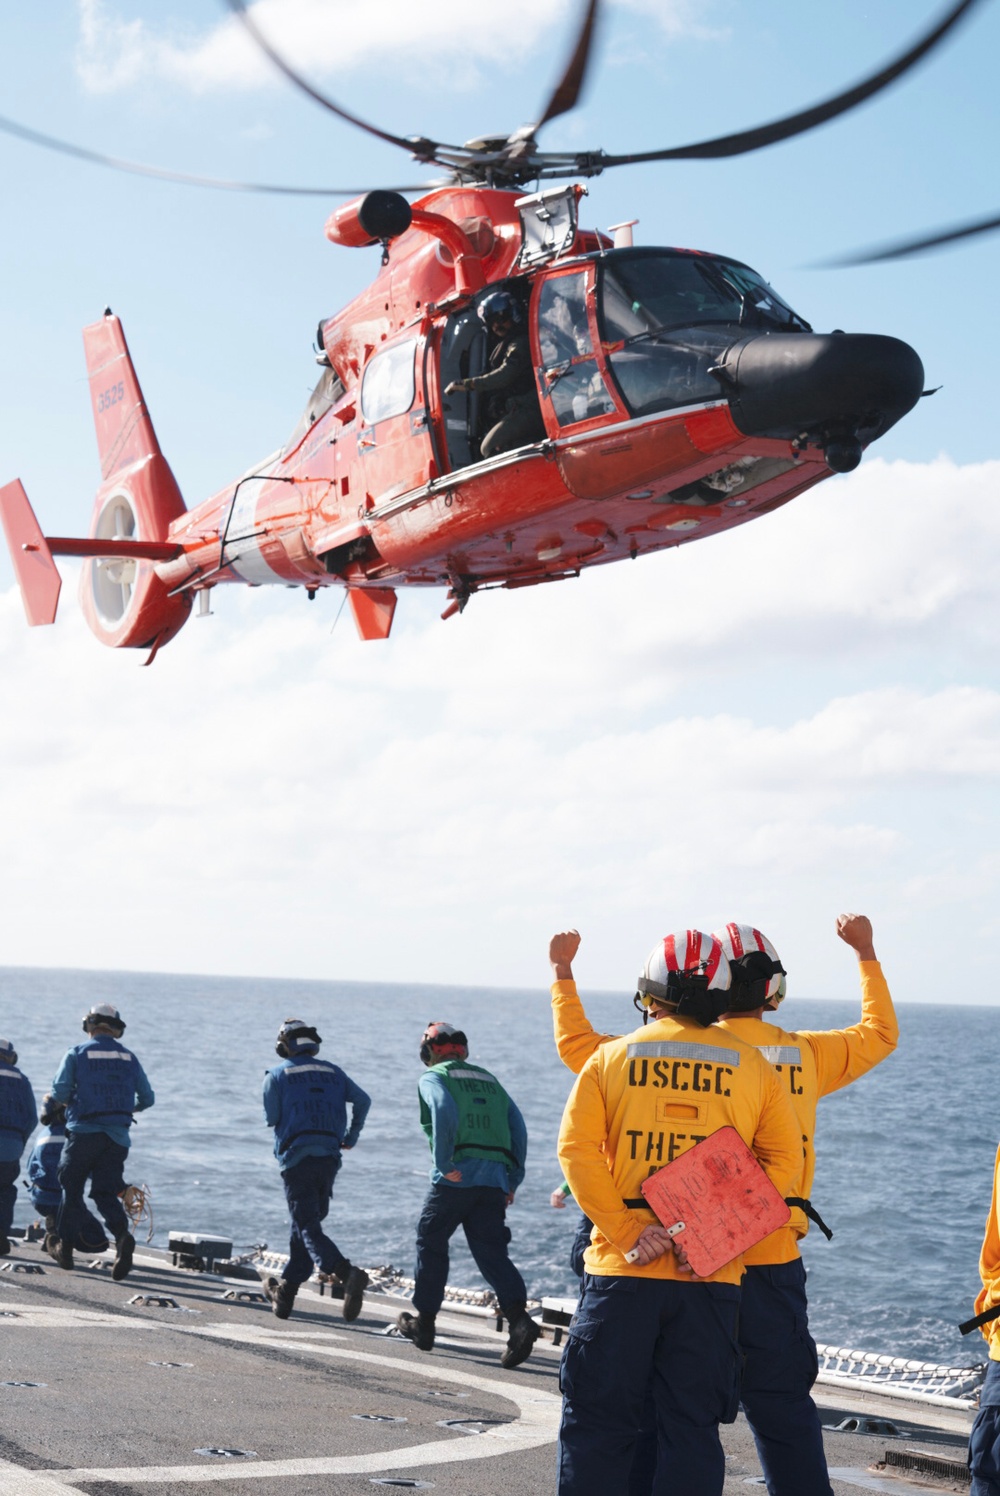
132,1392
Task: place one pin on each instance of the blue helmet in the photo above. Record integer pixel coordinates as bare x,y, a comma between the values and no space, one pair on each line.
296,1037
498,304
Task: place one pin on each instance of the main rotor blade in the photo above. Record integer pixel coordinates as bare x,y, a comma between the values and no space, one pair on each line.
807,119
903,247
186,179
418,146
567,90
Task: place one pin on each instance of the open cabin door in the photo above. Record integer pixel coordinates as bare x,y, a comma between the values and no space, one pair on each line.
575,392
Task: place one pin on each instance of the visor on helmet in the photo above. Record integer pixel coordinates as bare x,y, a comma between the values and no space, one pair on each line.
296,1037
103,1014
440,1041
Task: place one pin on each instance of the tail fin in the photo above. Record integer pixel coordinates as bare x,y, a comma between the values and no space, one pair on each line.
125,434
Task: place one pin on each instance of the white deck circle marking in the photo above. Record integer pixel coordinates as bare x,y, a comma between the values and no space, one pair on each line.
537,1424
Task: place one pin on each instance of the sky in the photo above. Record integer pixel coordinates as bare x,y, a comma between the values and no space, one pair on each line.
774,725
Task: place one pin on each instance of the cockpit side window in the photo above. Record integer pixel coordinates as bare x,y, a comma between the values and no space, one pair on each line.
570,371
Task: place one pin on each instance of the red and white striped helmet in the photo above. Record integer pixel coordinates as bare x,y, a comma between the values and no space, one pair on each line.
681,965
758,975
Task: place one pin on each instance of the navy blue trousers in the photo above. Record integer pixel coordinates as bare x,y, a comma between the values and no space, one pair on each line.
308,1188
779,1368
984,1441
93,1156
630,1335
9,1170
481,1211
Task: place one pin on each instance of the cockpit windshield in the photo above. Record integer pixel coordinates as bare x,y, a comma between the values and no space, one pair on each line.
666,318
651,291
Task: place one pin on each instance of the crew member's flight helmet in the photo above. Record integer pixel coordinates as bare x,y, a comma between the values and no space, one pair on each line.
296,1037
498,304
439,1041
7,1052
51,1110
758,975
103,1015
687,972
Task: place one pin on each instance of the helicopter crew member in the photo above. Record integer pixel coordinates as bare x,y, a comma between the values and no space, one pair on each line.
18,1119
478,1143
644,1330
306,1101
42,1182
984,1441
513,413
779,1354
102,1084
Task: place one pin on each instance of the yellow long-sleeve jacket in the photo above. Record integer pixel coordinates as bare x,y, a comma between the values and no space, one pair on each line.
810,1064
642,1100
989,1271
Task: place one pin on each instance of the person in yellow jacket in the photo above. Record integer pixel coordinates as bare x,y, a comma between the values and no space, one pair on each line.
779,1353
644,1325
984,1441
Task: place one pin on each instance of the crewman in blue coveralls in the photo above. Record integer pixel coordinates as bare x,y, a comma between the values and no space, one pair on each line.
42,1182
102,1084
478,1144
17,1122
305,1101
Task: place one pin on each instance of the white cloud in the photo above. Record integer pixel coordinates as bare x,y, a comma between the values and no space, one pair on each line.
265,798
328,38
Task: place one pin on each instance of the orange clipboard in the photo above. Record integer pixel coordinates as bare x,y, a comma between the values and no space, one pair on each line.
716,1201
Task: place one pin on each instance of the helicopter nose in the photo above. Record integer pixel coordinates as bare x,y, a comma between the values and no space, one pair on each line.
837,390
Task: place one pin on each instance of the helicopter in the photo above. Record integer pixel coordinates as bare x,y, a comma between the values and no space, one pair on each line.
672,394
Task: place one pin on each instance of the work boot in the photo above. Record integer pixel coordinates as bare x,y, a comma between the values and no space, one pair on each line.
355,1283
282,1296
61,1252
419,1328
124,1247
523,1334
49,1243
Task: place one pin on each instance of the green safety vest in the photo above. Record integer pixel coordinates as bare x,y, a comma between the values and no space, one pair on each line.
482,1102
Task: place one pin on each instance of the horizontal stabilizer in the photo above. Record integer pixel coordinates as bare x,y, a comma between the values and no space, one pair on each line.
37,574
138,550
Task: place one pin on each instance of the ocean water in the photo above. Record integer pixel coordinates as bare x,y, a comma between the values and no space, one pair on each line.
905,1156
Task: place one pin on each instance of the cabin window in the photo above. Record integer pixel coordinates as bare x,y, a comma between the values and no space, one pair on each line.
572,378
389,383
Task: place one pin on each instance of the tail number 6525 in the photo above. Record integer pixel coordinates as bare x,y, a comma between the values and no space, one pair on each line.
111,396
